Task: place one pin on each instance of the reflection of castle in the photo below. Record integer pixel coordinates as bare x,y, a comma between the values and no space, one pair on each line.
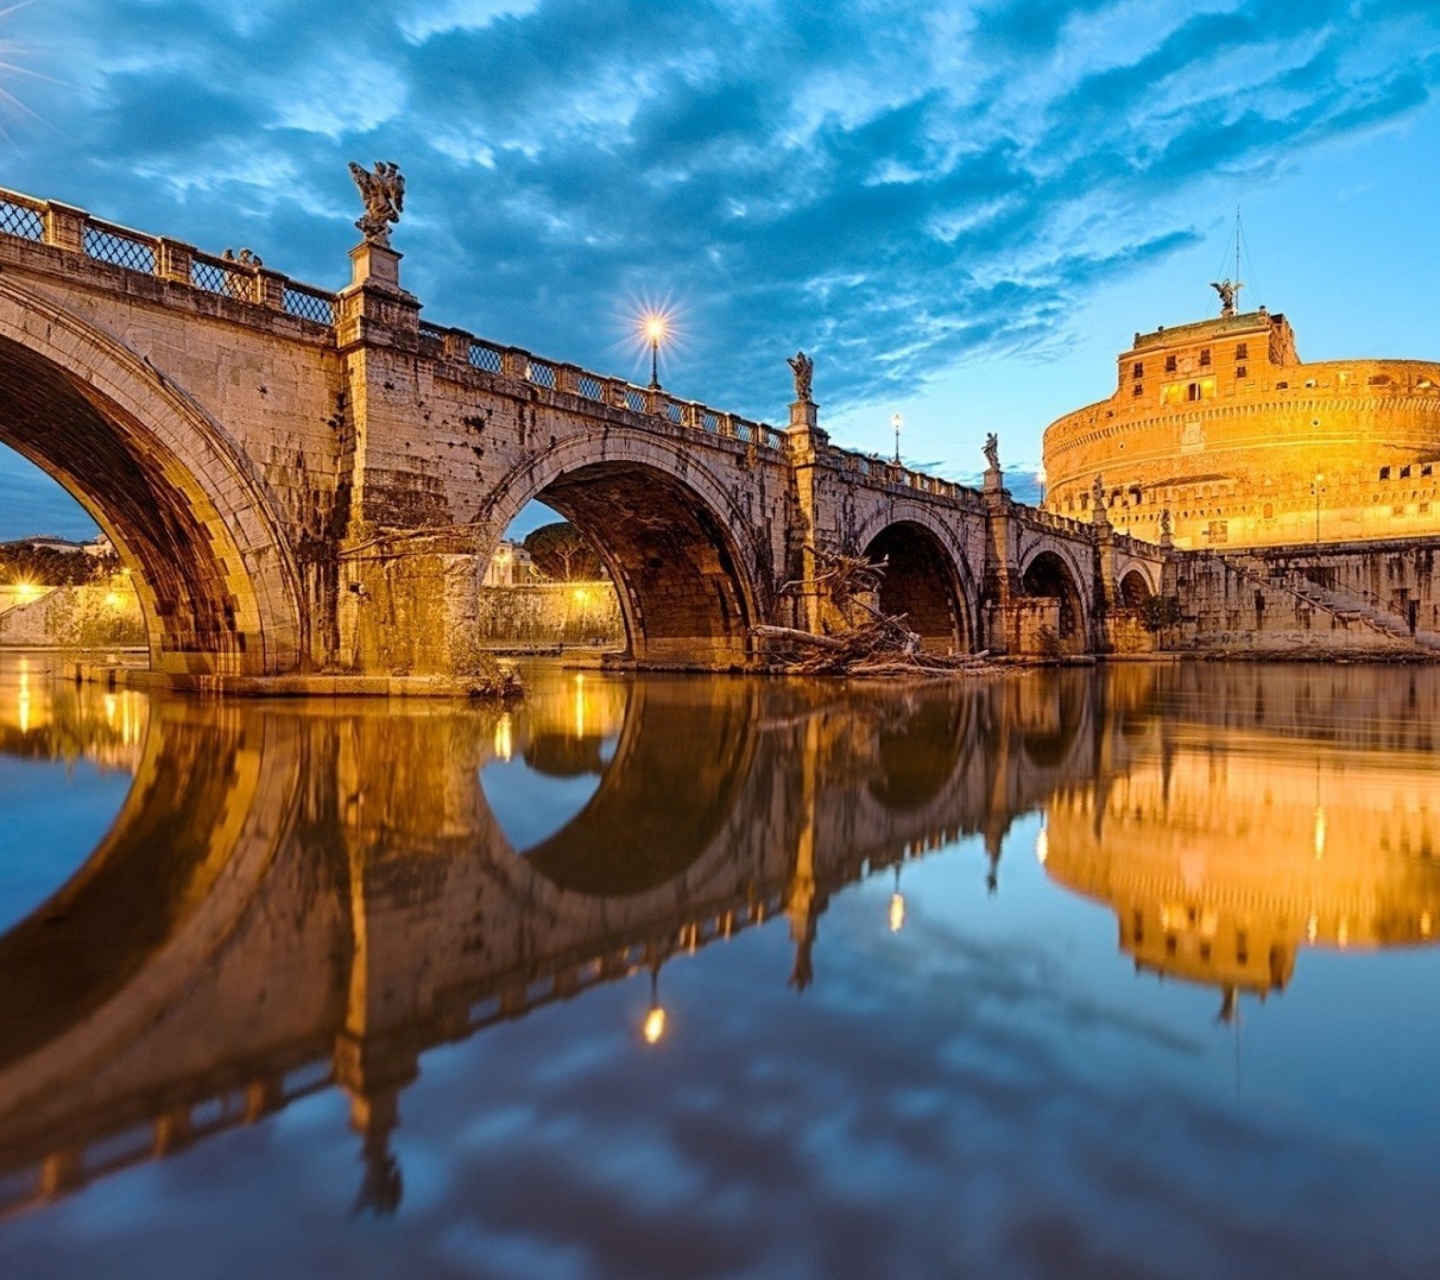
1223,851
1219,423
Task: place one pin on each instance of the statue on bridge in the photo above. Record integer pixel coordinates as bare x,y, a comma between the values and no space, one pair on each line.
1166,527
992,451
384,195
1097,492
804,370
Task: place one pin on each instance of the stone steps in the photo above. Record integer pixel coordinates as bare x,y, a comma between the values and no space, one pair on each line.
1346,606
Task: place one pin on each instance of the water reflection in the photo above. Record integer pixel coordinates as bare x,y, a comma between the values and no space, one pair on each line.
299,897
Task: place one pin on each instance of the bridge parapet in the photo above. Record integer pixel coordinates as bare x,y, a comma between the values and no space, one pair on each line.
877,471
1080,530
75,231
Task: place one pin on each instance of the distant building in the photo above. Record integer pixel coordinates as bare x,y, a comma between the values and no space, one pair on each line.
1220,423
510,566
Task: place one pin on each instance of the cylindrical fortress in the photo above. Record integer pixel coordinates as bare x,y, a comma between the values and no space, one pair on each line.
1221,424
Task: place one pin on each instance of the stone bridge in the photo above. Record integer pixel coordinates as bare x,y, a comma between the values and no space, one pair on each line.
294,897
308,485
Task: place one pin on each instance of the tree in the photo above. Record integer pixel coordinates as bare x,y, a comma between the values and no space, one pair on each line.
562,552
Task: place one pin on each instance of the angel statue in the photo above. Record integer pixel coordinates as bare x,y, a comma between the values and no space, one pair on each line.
992,451
1228,293
1166,528
1097,492
384,195
804,369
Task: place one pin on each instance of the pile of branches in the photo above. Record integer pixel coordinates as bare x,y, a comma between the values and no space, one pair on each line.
870,643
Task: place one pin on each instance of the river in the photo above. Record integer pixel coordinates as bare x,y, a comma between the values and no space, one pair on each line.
1116,972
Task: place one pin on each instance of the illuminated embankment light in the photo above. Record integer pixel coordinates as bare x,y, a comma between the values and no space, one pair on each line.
1319,833
27,591
114,599
1042,846
654,1028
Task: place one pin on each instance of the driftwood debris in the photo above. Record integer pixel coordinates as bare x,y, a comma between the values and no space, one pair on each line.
868,643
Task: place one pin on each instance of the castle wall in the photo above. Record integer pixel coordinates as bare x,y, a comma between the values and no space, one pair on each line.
1221,425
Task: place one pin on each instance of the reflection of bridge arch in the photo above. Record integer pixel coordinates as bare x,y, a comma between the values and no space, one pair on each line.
676,545
1050,572
657,810
177,495
126,936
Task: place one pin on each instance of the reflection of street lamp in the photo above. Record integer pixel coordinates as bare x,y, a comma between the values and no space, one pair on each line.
654,1027
897,905
1315,489
897,422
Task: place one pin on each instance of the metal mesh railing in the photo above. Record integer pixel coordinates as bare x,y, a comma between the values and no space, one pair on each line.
589,386
541,374
710,421
227,281
673,411
309,304
20,220
635,400
432,331
488,358
110,244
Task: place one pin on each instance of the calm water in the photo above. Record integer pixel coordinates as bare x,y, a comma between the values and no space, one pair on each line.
1117,973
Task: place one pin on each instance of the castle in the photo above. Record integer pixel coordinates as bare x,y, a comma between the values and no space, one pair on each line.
1221,424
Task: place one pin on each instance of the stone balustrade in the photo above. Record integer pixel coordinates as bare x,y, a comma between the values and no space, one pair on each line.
75,231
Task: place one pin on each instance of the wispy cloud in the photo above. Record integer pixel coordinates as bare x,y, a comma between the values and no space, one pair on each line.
896,189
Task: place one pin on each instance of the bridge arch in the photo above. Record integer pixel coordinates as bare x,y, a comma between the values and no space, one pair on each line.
186,510
678,547
1135,587
926,578
1049,572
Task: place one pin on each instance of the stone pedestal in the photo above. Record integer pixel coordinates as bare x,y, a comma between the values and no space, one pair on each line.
375,264
994,480
804,413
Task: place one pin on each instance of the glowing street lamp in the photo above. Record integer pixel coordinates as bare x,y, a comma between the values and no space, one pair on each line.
897,422
655,328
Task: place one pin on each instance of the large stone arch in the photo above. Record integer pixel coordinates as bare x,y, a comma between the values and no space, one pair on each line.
1049,571
676,544
182,503
927,579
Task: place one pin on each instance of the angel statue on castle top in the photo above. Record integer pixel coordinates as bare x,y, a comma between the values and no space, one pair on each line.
384,195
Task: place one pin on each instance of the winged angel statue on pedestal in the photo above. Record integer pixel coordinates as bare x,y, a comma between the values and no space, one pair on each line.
384,195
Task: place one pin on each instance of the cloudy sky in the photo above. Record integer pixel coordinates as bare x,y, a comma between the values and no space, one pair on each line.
962,210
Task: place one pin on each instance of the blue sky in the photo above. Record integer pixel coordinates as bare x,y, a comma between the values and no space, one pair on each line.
962,211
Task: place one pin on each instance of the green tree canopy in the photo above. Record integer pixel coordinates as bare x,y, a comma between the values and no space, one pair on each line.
562,552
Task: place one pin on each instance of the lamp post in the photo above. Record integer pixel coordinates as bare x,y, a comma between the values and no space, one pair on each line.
654,328
897,422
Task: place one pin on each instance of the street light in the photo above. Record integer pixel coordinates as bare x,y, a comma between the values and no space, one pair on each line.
655,327
897,422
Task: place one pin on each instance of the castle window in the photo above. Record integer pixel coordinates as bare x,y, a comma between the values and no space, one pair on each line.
1204,357
1384,473
1241,371
1194,391
1139,369
1170,364
1242,351
1426,468
1282,386
1269,511
1138,389
1404,473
